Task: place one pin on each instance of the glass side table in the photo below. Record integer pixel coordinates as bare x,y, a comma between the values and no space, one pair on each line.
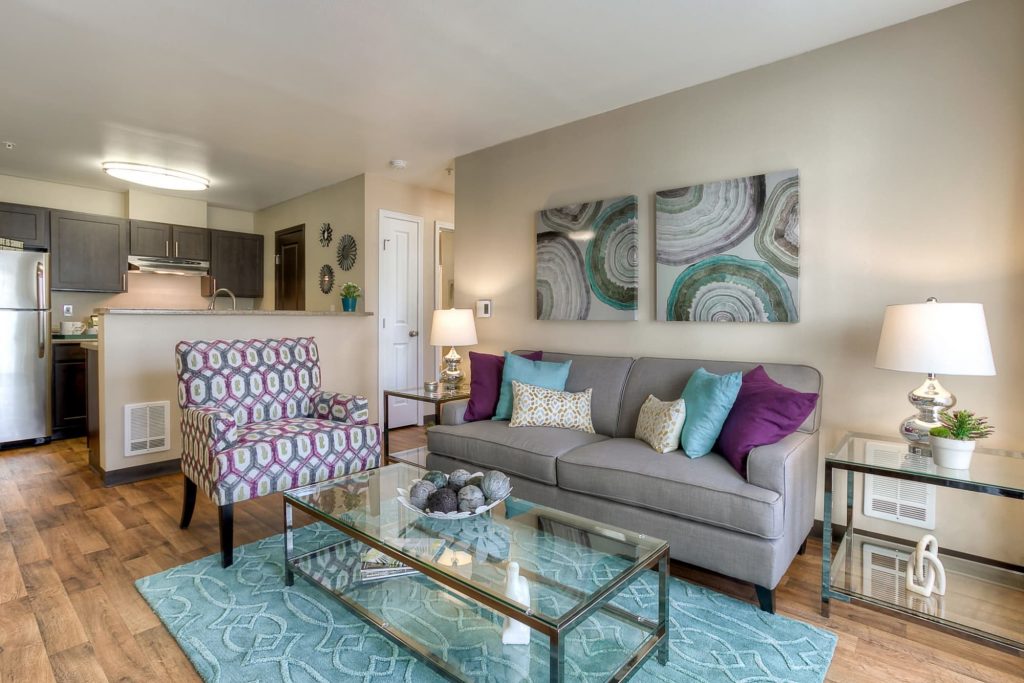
984,598
438,398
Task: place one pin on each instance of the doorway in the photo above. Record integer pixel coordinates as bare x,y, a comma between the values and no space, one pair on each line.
401,310
444,272
290,269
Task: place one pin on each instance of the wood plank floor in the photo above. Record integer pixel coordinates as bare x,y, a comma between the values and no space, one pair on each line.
71,549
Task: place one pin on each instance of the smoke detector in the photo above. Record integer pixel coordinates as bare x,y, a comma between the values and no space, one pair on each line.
9,145
397,163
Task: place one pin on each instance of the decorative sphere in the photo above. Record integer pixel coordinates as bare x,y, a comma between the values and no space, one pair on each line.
443,500
470,498
458,479
477,481
436,477
418,493
496,485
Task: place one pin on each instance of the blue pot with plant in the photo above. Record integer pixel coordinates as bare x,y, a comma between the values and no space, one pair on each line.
350,293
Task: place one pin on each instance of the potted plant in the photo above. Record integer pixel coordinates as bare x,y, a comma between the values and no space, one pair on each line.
953,443
350,293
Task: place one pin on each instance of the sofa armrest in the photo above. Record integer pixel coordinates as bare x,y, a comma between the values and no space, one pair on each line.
207,428
347,408
454,412
767,466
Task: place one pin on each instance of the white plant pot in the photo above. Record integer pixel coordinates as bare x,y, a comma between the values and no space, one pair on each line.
950,453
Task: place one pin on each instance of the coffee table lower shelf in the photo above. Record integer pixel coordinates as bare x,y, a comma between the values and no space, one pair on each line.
384,604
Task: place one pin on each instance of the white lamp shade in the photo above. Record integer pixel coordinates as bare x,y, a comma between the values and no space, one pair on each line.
453,327
947,339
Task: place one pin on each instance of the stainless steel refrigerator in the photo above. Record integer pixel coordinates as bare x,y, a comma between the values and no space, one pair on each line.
24,346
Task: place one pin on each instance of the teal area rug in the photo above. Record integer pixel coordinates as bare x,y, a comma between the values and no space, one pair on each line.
242,624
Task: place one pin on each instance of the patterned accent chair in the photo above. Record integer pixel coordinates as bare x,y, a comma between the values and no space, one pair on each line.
254,421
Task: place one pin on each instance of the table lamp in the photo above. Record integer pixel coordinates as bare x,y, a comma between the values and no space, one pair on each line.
452,327
933,338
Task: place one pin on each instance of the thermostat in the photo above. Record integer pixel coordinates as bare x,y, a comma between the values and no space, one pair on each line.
483,308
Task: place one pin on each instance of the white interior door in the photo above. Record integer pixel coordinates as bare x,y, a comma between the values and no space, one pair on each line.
401,304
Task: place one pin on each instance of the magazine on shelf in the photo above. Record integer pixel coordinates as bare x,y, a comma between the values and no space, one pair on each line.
377,565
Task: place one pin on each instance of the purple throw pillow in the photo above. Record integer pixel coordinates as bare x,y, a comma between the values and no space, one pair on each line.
485,373
764,412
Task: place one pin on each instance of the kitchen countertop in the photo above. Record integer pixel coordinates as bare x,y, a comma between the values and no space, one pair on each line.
90,345
167,311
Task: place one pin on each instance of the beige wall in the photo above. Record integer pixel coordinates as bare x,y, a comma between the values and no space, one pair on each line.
341,205
431,206
910,146
137,364
149,206
61,196
230,219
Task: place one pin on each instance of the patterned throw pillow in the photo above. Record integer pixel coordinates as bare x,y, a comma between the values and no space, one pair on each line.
534,406
660,423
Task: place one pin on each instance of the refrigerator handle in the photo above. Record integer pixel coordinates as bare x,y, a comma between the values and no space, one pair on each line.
41,306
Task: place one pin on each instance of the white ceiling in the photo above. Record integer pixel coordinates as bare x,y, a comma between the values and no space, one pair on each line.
274,98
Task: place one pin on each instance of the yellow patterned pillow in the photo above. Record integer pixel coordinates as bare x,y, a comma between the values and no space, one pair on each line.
660,423
534,406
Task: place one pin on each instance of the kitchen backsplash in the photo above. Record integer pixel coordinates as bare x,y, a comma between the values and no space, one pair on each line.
145,290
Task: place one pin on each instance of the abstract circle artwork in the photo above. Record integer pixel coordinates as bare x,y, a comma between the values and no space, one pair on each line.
326,279
347,252
326,234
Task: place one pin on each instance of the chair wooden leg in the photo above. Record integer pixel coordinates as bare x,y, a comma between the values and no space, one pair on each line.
803,548
226,520
188,503
766,599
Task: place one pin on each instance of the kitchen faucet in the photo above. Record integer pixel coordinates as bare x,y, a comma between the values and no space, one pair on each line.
213,301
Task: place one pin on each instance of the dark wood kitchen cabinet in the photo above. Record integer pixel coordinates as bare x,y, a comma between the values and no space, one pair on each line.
28,224
236,262
87,253
164,239
70,391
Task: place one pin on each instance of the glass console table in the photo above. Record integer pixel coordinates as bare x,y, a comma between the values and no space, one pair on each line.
984,598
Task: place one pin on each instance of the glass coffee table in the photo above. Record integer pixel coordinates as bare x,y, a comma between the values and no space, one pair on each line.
595,611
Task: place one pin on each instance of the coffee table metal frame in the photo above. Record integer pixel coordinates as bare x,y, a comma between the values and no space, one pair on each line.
556,632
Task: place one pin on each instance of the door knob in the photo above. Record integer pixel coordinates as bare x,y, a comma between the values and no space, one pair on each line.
414,333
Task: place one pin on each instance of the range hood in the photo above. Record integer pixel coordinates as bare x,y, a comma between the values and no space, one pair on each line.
167,266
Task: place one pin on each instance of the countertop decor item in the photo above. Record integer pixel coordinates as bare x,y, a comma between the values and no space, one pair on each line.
516,588
954,440
933,338
430,385
925,573
350,293
326,234
347,252
326,279
452,327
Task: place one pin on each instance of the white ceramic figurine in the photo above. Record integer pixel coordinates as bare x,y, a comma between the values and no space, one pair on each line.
925,572
517,588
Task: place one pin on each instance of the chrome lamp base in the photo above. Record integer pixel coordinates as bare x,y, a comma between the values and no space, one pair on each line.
930,399
451,375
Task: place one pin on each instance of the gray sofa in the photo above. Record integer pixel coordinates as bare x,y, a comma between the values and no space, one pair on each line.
749,529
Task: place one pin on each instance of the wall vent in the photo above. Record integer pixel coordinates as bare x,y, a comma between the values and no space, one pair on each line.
145,427
897,500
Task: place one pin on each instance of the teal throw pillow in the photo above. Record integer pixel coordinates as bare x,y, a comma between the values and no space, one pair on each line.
709,399
536,372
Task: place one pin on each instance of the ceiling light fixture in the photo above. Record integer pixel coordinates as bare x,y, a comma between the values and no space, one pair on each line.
155,176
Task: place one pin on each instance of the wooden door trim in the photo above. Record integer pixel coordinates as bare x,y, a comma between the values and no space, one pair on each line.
381,215
439,227
287,232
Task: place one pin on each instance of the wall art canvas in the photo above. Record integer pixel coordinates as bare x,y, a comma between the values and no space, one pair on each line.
587,261
729,251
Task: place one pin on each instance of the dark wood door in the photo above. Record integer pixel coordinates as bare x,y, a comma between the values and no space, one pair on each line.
28,224
190,243
87,253
290,269
70,391
236,262
149,239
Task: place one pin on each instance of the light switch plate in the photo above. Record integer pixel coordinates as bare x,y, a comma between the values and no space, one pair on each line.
69,309
483,308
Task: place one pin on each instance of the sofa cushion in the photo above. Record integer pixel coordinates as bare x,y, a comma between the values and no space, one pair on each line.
606,375
528,452
704,489
667,377
485,371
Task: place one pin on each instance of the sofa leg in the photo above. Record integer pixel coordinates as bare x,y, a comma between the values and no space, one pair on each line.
766,598
803,548
226,520
188,503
